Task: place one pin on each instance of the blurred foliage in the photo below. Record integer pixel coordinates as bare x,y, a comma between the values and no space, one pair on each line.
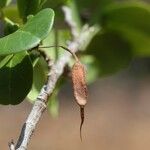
111,51
11,12
123,35
10,27
4,3
132,21
29,7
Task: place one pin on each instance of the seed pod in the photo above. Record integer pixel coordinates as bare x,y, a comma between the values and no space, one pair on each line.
80,88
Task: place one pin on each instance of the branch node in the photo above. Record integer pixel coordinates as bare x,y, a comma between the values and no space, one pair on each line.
40,102
11,145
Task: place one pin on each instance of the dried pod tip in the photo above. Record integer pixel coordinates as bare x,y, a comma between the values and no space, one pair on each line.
82,120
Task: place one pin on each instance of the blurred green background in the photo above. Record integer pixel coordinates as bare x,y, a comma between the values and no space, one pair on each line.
117,116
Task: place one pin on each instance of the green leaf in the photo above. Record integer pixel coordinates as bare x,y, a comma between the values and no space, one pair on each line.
30,35
111,51
15,78
39,78
34,56
28,7
132,21
4,3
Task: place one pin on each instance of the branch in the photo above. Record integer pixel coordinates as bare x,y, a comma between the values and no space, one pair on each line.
55,71
69,20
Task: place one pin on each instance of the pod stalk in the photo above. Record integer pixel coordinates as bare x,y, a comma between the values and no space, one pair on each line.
65,48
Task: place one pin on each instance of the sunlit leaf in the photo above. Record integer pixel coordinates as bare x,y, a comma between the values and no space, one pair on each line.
30,35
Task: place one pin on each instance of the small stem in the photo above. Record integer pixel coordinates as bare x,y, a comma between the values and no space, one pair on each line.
65,48
82,120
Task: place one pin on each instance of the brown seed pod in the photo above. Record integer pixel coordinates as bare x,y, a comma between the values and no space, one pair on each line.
79,84
80,88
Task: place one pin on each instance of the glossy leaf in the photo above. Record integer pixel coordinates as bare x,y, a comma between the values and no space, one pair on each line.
132,21
15,78
30,35
111,51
